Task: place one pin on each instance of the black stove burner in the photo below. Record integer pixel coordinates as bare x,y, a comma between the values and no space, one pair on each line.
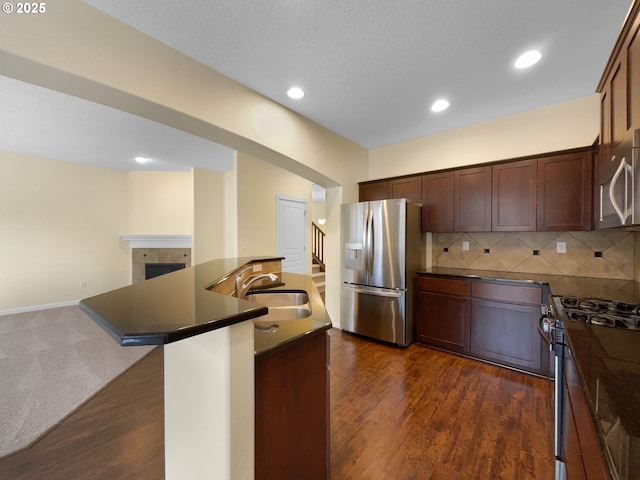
603,312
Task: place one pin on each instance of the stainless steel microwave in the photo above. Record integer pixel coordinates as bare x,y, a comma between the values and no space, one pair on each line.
620,186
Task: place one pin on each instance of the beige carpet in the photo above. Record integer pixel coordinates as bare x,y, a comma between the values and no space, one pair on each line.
51,362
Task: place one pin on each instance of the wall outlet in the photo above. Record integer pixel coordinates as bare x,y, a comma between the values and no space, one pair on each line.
244,247
465,245
561,247
83,284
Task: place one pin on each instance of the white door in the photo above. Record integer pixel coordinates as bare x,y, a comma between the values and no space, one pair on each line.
291,215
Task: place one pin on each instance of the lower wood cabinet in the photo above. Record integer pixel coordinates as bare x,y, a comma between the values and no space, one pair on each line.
292,411
491,321
581,451
506,333
451,330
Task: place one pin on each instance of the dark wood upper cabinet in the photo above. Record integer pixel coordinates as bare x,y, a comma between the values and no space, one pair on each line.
409,187
565,192
377,190
437,202
633,78
619,88
472,199
514,196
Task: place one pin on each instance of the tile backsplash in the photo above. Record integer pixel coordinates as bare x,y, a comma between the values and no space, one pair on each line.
599,254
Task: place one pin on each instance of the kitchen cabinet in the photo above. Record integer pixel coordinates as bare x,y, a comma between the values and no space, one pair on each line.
491,321
513,195
565,198
437,202
581,451
504,326
442,313
619,88
292,411
375,190
401,187
406,187
472,199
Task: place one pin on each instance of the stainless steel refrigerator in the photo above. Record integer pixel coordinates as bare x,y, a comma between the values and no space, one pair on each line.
382,250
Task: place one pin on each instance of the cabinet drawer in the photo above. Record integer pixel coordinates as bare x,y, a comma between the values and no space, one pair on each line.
507,293
444,285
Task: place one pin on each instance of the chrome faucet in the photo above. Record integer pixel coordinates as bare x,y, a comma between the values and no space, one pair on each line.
243,288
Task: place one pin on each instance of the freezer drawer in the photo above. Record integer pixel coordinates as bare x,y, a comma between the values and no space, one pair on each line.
376,313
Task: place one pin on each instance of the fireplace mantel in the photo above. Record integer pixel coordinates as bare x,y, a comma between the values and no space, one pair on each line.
157,241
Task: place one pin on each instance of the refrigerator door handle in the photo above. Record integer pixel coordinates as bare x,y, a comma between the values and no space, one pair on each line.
371,244
367,243
375,291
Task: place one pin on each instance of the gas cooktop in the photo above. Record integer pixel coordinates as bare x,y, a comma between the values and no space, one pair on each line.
608,313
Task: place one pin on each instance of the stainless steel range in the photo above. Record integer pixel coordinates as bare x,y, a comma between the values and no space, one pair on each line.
608,313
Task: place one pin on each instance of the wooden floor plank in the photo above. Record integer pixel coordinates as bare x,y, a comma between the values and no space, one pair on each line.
413,413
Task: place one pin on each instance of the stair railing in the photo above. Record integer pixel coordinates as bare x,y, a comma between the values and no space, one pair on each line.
317,245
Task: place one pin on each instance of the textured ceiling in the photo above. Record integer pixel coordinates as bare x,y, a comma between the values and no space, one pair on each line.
37,121
370,69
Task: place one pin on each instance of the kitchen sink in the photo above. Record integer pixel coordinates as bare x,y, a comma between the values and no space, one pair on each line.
282,305
279,298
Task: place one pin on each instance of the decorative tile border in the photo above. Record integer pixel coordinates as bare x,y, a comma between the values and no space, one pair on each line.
599,254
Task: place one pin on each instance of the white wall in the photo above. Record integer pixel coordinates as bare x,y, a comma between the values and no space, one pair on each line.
61,225
558,127
259,183
208,208
161,203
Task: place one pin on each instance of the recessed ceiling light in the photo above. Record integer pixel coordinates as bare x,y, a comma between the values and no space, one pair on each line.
141,159
295,93
528,59
439,105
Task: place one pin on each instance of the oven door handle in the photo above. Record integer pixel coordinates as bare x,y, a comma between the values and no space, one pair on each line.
543,333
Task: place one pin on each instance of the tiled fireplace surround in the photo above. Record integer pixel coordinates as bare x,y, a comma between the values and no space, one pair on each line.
142,256
608,254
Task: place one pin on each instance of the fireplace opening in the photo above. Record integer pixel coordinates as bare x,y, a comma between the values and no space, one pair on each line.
152,270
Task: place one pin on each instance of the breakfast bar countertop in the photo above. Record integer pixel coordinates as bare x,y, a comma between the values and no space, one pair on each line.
172,307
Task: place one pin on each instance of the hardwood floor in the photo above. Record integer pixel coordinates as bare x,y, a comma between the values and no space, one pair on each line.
412,413
423,414
117,434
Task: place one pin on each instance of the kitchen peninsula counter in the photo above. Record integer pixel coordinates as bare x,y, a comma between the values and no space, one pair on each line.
210,348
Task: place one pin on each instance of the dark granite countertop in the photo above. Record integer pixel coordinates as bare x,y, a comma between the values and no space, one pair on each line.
565,285
288,331
179,305
607,361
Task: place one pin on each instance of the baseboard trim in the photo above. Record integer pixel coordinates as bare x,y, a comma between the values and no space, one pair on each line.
34,308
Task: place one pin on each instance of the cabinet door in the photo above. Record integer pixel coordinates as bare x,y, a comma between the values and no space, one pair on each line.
374,191
443,321
514,196
618,104
292,411
410,188
472,191
507,334
633,75
437,202
591,455
565,192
